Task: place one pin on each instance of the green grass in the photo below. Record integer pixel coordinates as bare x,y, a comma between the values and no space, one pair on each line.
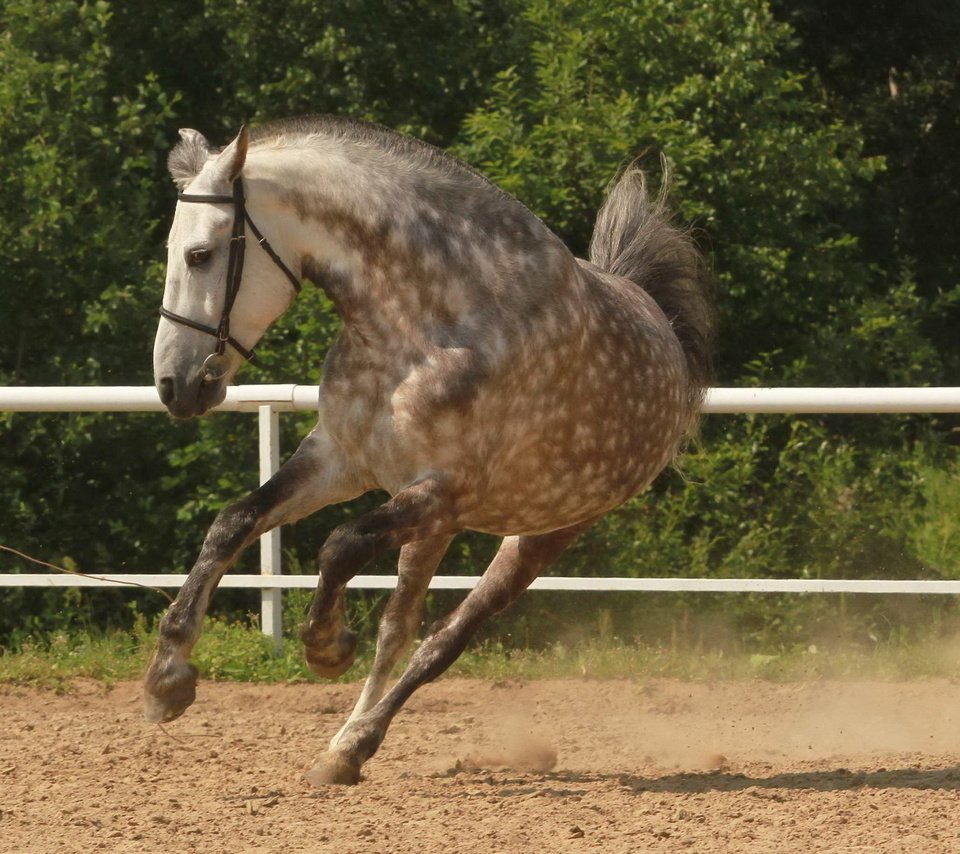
609,661
238,651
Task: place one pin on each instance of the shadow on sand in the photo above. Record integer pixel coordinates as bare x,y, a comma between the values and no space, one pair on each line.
564,783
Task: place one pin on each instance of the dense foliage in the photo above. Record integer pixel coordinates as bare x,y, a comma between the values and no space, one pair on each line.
812,147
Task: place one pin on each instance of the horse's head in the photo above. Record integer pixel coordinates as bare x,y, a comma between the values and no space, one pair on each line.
218,299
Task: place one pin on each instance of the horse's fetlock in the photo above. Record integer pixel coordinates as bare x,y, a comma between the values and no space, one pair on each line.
176,630
329,650
363,744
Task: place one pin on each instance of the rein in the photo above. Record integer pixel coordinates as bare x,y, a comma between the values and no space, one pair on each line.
241,218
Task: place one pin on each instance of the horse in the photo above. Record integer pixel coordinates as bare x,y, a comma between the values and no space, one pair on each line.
484,377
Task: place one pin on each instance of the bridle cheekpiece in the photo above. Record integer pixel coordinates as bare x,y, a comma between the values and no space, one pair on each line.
241,218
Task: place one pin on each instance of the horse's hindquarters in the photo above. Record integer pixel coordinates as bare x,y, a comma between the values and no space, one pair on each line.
563,474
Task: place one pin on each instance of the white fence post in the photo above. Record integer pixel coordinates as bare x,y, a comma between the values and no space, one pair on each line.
271,598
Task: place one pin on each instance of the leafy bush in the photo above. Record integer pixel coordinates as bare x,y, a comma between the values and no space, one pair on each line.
826,205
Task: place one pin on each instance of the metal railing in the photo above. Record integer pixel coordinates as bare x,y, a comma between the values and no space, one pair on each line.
270,400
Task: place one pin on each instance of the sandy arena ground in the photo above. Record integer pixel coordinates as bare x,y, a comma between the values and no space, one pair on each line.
659,766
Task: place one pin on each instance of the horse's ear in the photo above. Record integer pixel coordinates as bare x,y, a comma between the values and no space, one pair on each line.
188,156
235,154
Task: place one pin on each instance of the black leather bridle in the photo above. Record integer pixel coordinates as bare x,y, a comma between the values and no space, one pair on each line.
241,218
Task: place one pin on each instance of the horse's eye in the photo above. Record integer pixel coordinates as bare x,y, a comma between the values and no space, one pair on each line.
196,257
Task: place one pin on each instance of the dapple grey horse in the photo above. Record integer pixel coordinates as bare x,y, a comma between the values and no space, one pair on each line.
484,377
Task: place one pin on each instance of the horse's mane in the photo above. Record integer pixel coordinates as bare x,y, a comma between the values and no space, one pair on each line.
300,129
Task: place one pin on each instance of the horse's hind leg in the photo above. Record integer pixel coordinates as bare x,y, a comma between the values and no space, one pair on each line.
425,510
312,478
518,562
401,618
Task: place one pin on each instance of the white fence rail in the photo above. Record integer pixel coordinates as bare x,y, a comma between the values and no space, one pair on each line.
269,400
288,397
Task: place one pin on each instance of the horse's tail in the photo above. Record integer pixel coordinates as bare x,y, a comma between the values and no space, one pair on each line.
634,238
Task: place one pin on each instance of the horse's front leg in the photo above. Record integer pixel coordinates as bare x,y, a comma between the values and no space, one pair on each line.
422,511
312,478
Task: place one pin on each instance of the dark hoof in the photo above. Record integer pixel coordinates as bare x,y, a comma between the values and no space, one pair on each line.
334,769
169,694
334,659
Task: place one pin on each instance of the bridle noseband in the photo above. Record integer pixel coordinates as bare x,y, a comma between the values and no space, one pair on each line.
241,218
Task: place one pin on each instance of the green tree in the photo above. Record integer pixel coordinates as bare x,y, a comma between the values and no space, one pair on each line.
772,180
91,96
759,165
828,209
79,233
893,69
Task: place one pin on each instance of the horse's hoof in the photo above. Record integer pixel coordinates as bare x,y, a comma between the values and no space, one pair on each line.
335,659
334,769
169,694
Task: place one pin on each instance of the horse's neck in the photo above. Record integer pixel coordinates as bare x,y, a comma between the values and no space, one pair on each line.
399,250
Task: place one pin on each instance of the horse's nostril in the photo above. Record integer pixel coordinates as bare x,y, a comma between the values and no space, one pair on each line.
165,387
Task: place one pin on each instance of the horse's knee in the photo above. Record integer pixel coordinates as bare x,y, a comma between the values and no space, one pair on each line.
233,525
347,547
354,543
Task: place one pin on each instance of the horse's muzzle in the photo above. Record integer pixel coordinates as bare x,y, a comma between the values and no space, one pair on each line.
193,398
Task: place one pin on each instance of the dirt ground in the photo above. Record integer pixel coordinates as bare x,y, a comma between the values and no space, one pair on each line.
655,766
